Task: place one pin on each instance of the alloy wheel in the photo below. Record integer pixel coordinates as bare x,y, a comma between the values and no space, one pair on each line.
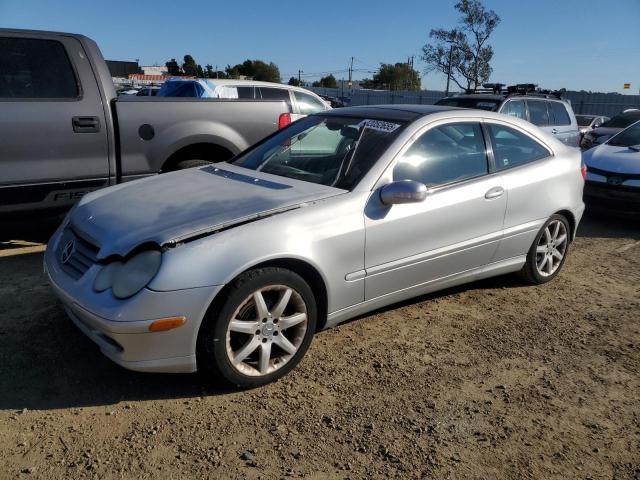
266,330
551,248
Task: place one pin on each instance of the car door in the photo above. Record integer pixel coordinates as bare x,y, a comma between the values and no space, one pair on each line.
455,229
522,161
53,137
539,114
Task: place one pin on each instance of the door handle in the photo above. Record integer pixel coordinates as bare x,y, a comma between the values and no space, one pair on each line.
86,124
494,192
554,130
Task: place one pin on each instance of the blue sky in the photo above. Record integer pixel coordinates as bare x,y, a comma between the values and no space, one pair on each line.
577,44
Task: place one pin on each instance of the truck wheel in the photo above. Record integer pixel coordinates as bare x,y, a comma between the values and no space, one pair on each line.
184,164
261,330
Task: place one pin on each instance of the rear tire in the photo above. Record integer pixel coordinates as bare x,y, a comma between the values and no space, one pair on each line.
184,164
548,251
260,331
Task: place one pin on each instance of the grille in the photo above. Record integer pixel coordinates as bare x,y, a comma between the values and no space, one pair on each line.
75,254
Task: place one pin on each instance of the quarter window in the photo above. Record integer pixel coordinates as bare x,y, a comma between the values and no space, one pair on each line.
445,154
512,148
308,104
538,114
559,112
35,68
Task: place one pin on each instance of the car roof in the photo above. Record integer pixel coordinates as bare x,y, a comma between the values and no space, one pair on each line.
230,82
402,112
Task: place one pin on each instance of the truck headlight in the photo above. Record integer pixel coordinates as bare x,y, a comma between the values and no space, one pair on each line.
127,278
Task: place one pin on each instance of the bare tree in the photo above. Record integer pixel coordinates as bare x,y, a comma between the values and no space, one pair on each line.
463,51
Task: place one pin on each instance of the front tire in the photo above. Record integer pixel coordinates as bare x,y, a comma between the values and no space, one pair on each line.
548,251
260,331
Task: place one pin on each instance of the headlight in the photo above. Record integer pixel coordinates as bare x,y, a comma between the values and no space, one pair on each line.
127,278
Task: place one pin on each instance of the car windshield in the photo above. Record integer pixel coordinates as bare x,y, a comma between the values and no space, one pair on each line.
329,150
466,102
584,120
627,138
623,120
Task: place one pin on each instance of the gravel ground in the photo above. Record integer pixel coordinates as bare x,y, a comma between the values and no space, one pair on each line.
491,380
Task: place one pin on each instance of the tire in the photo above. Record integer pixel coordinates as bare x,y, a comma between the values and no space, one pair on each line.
537,270
184,164
236,326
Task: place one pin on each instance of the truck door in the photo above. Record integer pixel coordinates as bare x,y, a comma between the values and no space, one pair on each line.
53,135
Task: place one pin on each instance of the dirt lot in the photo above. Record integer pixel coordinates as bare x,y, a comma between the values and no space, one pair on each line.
492,380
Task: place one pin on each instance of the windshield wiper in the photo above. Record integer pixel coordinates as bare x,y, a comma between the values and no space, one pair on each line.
635,148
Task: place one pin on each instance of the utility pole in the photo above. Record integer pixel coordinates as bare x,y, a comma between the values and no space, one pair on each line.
299,81
446,94
351,73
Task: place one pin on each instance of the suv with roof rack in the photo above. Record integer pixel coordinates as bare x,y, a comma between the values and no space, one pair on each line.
543,108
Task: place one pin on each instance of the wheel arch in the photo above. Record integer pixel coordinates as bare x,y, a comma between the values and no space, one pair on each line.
572,222
305,269
197,151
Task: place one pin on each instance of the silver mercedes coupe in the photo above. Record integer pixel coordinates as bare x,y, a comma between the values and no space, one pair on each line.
231,268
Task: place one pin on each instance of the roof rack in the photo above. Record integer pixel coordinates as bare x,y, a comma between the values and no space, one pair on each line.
522,89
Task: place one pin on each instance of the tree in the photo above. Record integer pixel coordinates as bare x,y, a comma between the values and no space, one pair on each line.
190,67
328,82
464,51
400,76
173,68
208,71
294,81
255,69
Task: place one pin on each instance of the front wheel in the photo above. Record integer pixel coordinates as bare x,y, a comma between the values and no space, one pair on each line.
261,331
548,252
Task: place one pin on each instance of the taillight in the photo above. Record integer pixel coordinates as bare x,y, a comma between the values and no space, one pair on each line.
283,120
583,170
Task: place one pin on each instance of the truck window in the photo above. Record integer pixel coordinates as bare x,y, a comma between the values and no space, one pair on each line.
35,68
268,93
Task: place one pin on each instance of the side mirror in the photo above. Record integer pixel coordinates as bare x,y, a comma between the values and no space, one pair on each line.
403,191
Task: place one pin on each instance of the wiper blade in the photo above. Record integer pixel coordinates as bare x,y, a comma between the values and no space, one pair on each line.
635,148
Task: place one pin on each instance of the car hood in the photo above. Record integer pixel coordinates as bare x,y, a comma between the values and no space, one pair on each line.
613,159
175,206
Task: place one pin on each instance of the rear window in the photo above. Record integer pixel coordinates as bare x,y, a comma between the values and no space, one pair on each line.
35,68
559,114
181,89
466,102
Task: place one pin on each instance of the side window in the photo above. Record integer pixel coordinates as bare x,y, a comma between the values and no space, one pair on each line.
515,108
35,68
512,148
538,114
308,104
559,112
445,154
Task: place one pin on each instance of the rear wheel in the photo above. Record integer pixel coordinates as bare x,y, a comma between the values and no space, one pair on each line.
548,252
184,164
262,330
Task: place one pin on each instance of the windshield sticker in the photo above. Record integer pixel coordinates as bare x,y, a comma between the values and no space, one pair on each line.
379,125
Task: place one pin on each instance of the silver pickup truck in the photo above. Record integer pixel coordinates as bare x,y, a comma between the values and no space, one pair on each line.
64,132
